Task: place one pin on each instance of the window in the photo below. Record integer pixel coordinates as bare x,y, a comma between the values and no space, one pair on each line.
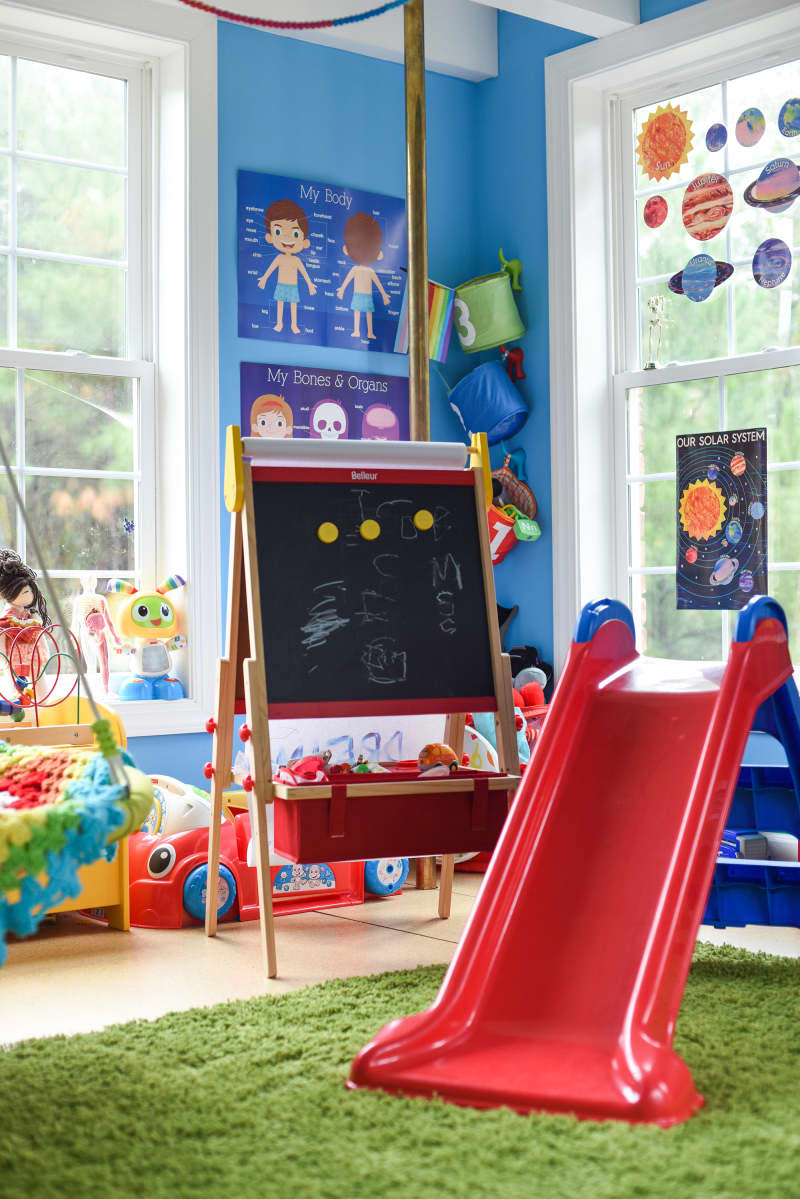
76,397
730,361
108,310
736,135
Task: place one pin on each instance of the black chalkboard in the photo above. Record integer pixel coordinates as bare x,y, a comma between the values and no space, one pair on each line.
399,621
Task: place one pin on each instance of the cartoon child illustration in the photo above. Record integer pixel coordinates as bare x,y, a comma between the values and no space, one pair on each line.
287,231
363,240
271,416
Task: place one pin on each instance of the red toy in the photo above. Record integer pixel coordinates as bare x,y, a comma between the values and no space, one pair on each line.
566,986
168,879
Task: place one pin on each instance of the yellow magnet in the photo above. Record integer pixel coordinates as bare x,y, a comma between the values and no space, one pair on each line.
369,529
327,532
423,520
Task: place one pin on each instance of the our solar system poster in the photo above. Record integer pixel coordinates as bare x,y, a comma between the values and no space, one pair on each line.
721,511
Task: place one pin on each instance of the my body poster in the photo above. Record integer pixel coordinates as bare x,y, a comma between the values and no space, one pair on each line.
319,263
721,518
301,401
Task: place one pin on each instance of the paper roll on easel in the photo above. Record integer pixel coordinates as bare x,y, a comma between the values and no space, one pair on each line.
417,455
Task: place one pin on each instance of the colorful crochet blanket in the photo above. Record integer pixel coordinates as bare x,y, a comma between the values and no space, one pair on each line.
59,810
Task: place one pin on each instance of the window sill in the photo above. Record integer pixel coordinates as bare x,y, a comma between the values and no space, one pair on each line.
160,717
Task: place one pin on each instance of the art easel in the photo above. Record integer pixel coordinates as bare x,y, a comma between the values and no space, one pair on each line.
242,673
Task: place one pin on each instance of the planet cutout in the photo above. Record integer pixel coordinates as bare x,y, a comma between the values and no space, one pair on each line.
772,262
738,464
789,117
746,581
655,212
776,188
707,206
724,570
712,472
733,500
716,137
750,127
691,555
664,142
756,510
699,277
733,531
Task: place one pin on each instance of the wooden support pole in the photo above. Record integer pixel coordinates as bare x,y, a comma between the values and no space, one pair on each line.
417,223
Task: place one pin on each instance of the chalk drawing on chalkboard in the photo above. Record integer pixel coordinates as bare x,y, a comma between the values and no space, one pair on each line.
384,664
445,570
372,606
383,569
324,617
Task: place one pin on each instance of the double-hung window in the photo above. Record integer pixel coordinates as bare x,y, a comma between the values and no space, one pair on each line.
76,363
620,230
109,314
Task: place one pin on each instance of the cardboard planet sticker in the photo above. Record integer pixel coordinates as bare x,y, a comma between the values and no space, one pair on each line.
733,532
756,510
746,581
691,555
738,464
789,118
699,277
664,142
750,127
716,137
655,212
707,206
772,262
776,188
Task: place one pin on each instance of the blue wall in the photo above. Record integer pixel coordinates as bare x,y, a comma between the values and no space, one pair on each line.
291,108
512,203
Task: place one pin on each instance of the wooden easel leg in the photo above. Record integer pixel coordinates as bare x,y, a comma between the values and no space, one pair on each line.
223,737
446,885
454,737
267,917
425,874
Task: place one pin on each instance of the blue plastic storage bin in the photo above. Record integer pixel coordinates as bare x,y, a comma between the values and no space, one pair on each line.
743,892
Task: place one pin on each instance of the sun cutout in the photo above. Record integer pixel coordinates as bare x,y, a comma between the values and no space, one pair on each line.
702,509
665,141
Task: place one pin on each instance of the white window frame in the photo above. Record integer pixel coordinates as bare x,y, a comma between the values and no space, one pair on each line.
590,318
174,52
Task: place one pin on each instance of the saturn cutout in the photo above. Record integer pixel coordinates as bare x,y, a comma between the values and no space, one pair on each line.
699,277
724,570
776,188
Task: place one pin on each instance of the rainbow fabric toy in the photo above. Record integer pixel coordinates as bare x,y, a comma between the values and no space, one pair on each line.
59,810
440,322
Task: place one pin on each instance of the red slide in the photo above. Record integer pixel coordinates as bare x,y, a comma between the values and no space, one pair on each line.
566,985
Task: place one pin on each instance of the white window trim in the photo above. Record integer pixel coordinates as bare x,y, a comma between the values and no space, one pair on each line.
586,262
180,48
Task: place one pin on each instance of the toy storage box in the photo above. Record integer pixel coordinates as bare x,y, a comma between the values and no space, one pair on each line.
747,892
390,815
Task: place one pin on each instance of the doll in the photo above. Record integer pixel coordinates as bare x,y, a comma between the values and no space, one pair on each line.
91,627
22,619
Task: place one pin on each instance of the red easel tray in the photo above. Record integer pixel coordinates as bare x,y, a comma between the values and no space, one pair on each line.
392,814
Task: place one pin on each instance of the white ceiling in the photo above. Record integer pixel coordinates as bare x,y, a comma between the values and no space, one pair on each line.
460,36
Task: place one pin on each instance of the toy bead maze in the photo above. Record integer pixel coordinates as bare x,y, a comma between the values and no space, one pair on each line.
360,583
565,988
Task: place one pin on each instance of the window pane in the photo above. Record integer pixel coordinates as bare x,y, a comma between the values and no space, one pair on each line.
8,514
661,247
770,398
657,415
3,299
85,521
783,494
70,114
5,75
652,523
80,421
70,210
8,415
750,226
784,586
664,632
765,319
765,90
3,199
66,306
687,334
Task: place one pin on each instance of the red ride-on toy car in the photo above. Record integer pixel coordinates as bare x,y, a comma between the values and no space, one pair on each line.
169,877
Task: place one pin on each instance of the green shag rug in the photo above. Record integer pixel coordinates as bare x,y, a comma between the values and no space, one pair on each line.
248,1099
